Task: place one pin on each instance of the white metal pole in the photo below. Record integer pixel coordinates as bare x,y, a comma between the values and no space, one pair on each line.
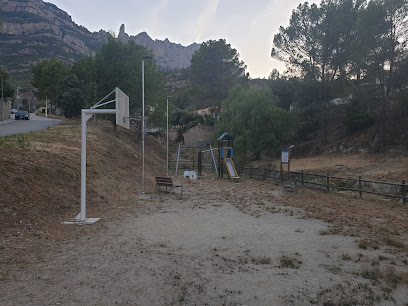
143,195
46,107
167,160
2,99
167,172
17,98
213,158
143,130
83,165
178,155
1,105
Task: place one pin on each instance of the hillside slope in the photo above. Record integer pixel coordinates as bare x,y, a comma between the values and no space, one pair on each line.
40,181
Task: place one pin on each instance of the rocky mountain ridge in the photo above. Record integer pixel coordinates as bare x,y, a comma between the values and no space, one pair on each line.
168,55
34,30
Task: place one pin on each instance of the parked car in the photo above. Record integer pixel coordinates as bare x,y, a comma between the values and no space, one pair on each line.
21,115
14,111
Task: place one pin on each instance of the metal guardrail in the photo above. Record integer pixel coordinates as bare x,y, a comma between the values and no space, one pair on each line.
331,183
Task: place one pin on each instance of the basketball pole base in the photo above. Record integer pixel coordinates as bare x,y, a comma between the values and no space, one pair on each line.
78,221
82,222
143,196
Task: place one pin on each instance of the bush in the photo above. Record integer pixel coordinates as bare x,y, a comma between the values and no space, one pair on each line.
357,119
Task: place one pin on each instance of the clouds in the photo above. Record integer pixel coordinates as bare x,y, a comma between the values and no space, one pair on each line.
206,20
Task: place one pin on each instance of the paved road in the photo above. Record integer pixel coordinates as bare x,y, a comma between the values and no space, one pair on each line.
12,127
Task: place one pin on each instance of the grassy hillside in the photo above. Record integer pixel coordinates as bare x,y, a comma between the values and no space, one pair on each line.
40,181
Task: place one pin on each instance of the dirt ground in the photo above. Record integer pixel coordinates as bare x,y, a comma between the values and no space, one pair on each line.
219,243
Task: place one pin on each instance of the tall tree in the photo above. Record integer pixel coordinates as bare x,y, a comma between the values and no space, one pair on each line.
8,90
119,64
70,97
380,42
46,75
316,42
251,116
215,67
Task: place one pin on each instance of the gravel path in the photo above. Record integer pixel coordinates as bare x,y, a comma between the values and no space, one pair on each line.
216,244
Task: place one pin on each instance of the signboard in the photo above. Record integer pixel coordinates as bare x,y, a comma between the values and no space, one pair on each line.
285,157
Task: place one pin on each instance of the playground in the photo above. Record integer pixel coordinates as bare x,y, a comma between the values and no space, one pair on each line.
230,246
221,242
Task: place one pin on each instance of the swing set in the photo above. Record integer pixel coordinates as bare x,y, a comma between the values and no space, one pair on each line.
206,158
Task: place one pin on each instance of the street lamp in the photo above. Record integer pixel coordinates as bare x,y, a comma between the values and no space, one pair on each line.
17,97
167,170
143,195
1,103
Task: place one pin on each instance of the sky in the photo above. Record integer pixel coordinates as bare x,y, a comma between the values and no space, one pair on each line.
249,26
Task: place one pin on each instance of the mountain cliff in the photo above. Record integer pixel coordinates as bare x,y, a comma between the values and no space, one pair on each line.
168,55
33,30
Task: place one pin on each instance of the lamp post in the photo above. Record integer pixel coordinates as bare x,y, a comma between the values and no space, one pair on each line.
17,97
167,160
143,195
1,103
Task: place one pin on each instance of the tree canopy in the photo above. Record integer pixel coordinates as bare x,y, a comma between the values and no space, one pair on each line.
46,75
70,96
345,39
8,90
117,64
251,115
215,68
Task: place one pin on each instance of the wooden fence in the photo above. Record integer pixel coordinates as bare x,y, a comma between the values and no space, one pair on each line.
318,181
332,183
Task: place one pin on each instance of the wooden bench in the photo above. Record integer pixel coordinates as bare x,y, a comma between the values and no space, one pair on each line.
167,182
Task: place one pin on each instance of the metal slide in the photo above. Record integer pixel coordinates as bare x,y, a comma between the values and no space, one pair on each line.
231,168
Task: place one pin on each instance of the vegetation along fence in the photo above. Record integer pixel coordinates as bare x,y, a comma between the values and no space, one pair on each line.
332,183
316,181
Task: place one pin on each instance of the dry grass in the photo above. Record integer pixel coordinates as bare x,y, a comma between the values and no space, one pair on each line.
384,222
391,166
40,182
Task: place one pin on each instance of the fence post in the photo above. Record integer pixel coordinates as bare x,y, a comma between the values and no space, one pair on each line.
281,172
199,163
359,187
404,192
328,182
303,178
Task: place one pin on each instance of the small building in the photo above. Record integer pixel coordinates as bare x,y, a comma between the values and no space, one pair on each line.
212,111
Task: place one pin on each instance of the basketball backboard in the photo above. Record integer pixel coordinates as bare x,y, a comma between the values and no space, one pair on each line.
122,108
